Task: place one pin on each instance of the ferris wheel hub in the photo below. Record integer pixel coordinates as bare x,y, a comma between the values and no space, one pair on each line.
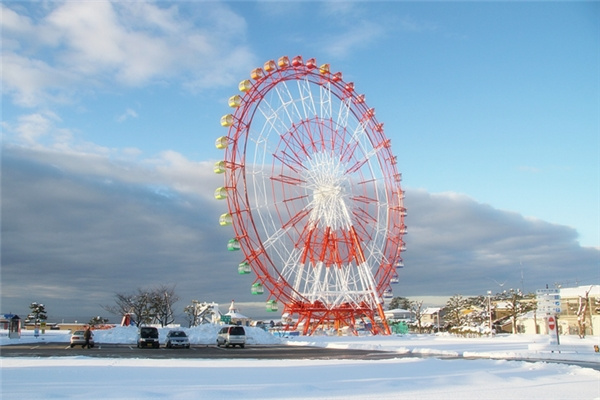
326,179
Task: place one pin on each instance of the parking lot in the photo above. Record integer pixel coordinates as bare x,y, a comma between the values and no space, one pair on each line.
195,351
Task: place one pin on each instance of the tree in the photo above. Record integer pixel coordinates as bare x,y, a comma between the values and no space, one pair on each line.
134,304
37,313
517,304
478,311
147,306
417,308
192,311
95,321
399,302
454,310
582,312
163,298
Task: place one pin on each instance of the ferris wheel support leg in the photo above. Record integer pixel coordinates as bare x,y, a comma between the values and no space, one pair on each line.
306,324
386,327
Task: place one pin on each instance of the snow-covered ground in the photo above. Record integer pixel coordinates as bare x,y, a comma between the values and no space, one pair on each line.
491,375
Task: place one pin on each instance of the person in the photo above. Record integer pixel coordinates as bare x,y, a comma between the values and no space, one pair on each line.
87,335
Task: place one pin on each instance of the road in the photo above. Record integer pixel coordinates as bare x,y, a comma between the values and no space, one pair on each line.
263,352
260,352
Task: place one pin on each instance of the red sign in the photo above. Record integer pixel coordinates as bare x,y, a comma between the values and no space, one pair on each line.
551,323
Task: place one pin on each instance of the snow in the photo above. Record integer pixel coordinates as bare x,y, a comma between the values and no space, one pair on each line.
492,373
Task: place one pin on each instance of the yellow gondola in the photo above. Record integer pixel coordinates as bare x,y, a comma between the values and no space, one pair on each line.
227,120
219,167
221,193
270,66
221,142
245,85
225,219
235,101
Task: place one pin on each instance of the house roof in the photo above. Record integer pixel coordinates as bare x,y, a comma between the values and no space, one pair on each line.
235,315
594,291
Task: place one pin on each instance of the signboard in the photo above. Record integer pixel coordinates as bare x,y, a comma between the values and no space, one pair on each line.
547,291
548,301
549,310
553,329
226,318
551,323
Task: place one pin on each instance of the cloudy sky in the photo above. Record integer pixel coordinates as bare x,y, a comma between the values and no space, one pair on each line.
110,111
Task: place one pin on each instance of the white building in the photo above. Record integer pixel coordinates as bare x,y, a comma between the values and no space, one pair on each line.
572,302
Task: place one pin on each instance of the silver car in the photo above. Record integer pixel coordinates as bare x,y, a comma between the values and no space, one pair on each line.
177,339
231,336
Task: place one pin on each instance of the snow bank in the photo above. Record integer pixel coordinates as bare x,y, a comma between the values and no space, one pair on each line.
203,334
524,347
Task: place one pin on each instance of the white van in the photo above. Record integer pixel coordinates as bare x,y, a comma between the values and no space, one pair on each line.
231,336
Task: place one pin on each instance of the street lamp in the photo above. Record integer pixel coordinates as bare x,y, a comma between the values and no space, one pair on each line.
489,293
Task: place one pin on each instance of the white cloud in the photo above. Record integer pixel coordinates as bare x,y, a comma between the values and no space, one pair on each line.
129,113
81,45
355,37
32,127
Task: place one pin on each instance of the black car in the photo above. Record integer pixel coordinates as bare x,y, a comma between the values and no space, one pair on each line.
148,337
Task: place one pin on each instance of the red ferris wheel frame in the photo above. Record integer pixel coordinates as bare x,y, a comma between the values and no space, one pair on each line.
332,228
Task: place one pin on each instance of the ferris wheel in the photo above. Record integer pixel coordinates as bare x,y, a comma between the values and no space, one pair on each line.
313,195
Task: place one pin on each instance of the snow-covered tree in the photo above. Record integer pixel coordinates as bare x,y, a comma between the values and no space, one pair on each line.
517,304
455,306
582,312
192,311
95,321
37,313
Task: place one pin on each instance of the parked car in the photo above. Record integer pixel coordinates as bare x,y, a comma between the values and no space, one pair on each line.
148,337
77,339
231,336
177,339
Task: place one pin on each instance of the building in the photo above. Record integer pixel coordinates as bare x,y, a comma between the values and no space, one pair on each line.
235,317
399,314
579,309
432,318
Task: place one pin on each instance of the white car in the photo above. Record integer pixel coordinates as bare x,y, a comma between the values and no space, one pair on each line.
177,339
77,339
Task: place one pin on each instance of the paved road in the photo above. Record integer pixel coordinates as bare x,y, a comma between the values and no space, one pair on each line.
264,352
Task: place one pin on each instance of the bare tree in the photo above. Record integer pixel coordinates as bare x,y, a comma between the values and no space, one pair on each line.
128,304
582,312
146,306
163,297
417,308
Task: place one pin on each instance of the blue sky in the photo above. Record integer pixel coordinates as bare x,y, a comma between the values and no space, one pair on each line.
110,111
